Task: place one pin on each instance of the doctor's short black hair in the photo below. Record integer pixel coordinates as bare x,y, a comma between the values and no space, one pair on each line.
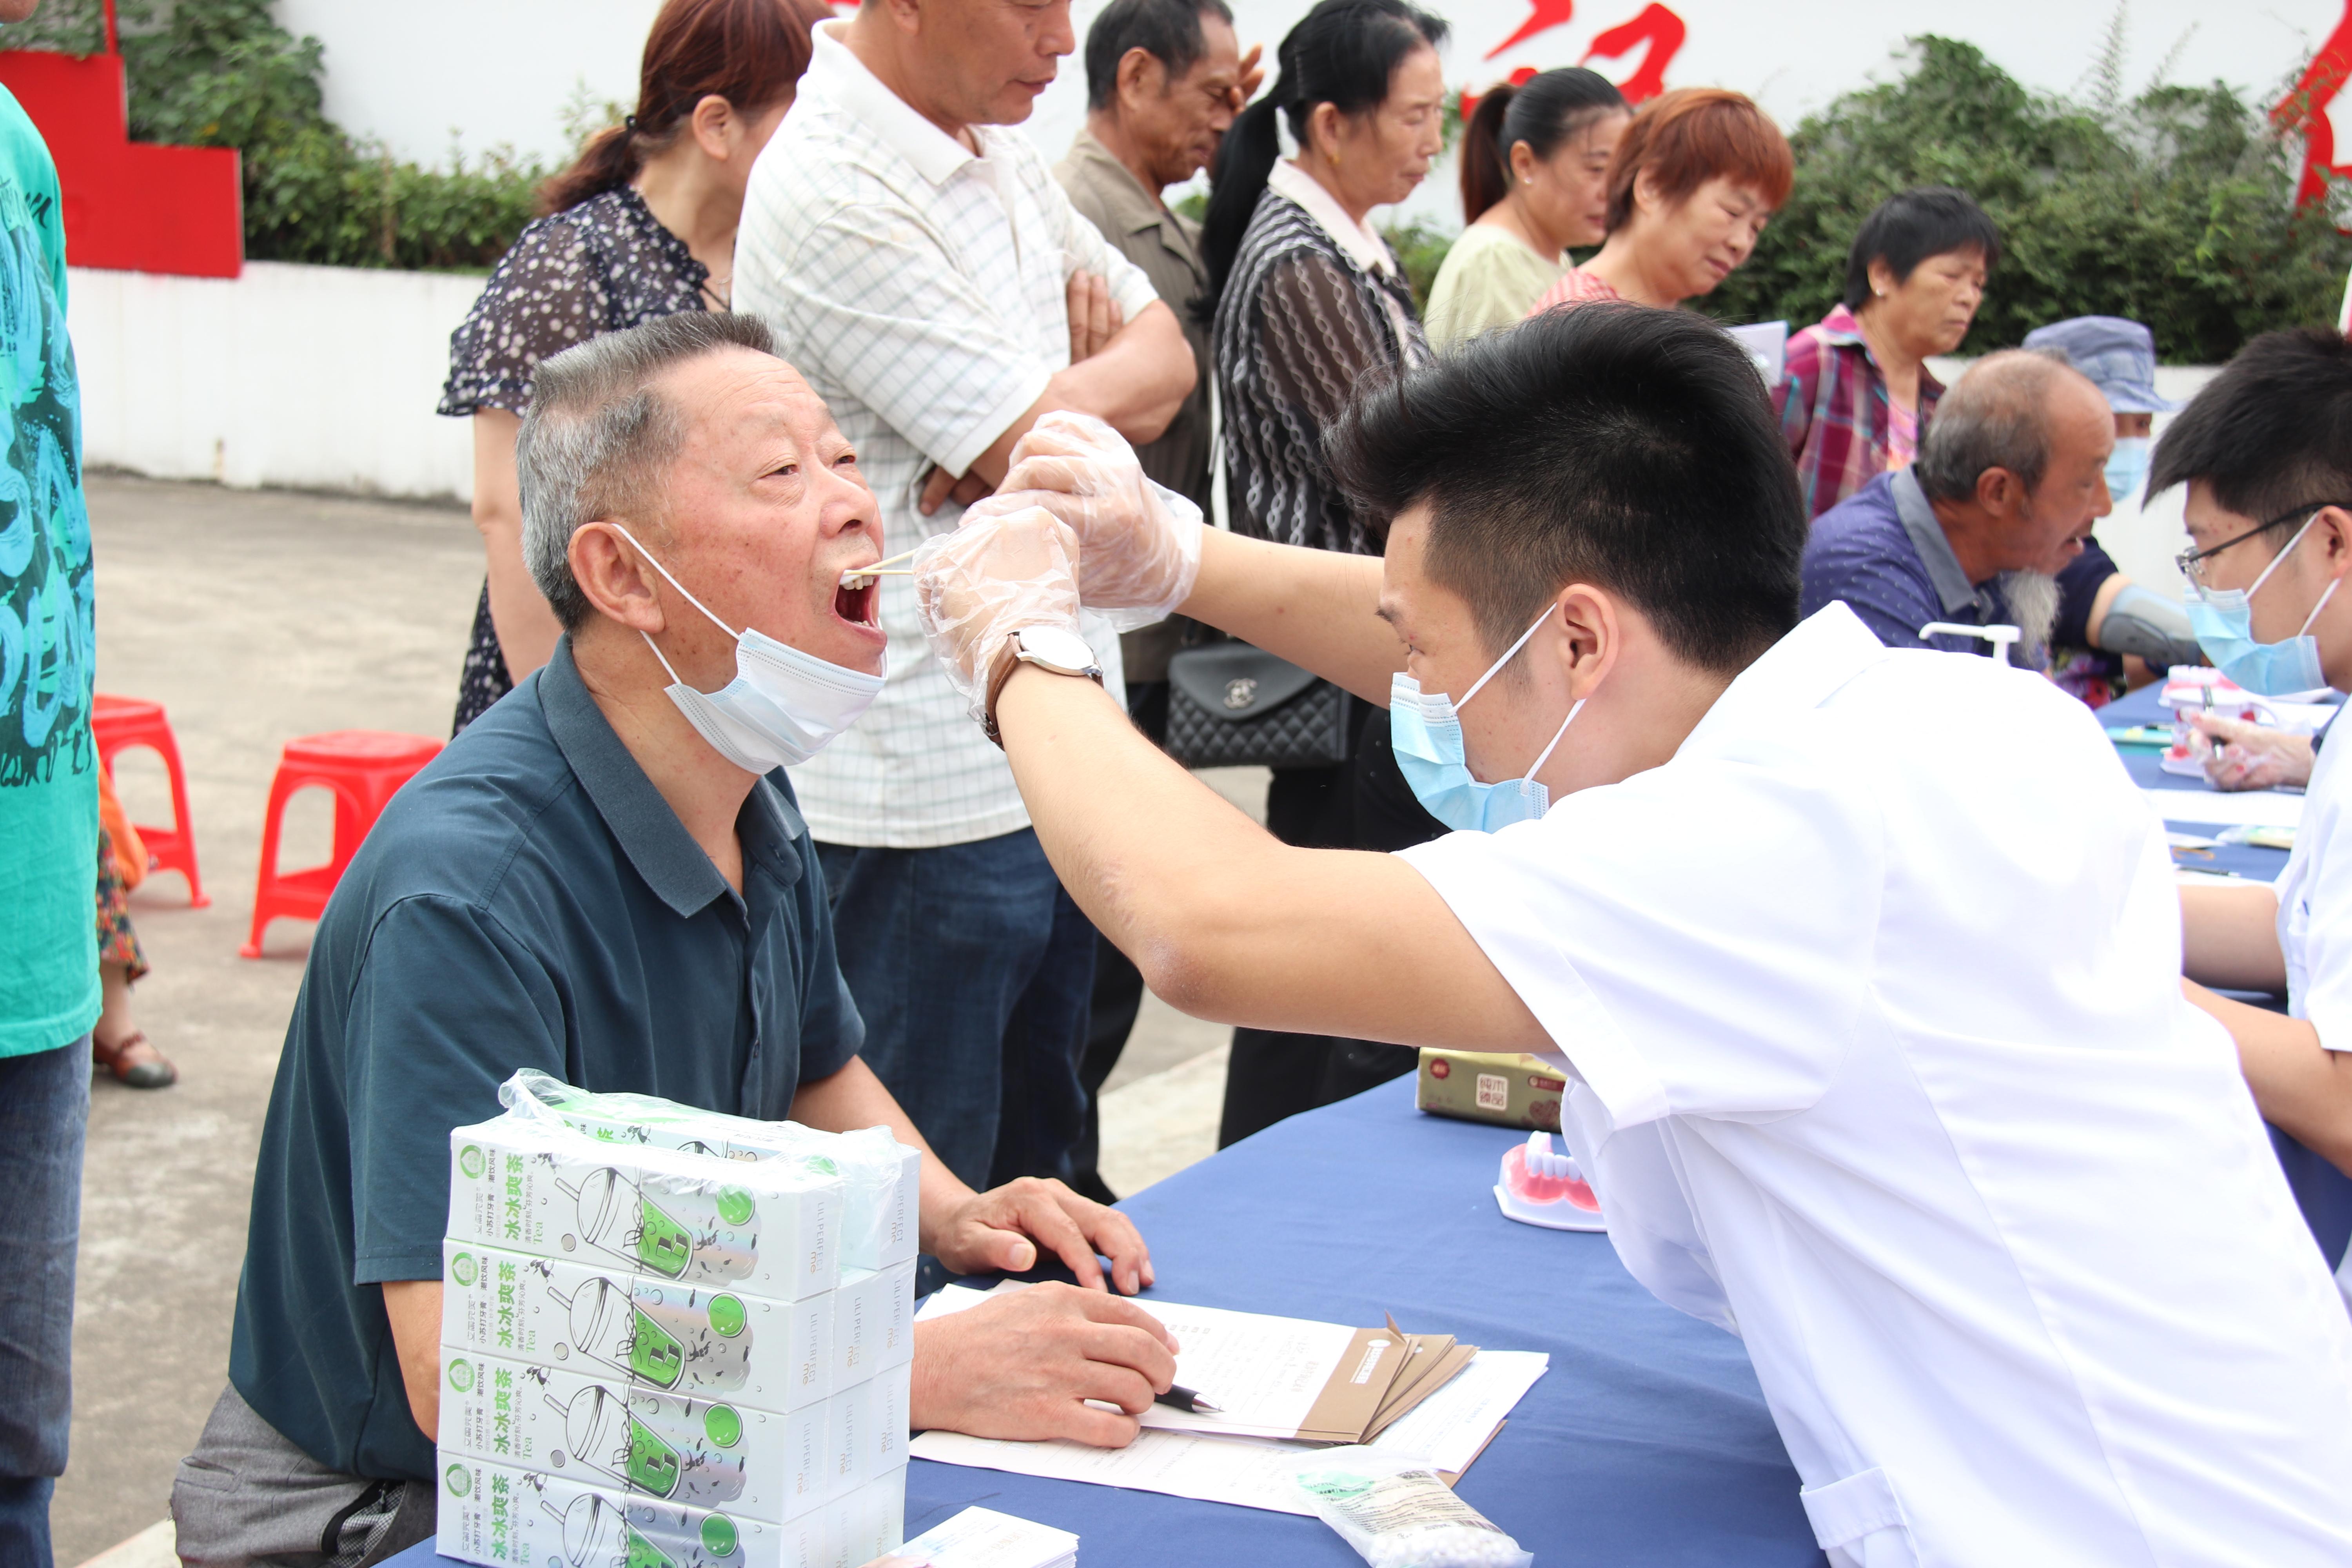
2271,433
1628,448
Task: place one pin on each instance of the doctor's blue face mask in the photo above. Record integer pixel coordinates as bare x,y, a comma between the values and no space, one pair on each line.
2224,622
1426,729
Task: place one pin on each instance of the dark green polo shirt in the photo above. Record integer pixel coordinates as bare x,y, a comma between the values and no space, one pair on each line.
529,900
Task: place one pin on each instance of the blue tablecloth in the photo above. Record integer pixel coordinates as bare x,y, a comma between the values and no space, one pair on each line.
2144,765
1647,1442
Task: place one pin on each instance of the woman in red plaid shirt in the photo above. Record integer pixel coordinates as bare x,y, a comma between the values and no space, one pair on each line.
1857,392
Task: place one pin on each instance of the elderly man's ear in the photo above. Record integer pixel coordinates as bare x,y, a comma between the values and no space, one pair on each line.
2000,493
614,577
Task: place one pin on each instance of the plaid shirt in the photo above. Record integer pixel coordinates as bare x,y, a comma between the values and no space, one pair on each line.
1833,409
919,288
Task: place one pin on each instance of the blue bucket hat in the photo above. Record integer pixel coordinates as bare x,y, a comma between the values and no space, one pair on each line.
2118,355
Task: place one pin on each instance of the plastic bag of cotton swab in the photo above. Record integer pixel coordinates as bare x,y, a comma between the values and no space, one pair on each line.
1397,1513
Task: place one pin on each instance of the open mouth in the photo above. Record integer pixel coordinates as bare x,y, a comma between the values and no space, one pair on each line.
855,600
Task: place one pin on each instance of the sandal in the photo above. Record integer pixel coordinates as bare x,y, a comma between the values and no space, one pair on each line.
153,1072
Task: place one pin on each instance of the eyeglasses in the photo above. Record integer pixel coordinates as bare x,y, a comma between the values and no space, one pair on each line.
2192,562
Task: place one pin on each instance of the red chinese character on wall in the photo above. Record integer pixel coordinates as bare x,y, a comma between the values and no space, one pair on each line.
1657,31
2307,107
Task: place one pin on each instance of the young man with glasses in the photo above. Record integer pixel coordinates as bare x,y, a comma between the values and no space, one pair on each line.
2266,453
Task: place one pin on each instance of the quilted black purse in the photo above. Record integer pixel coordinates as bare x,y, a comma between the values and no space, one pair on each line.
1231,705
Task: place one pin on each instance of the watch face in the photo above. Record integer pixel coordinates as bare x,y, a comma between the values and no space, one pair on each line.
1057,648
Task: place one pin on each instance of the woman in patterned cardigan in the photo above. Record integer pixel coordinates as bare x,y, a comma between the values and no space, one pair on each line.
1307,304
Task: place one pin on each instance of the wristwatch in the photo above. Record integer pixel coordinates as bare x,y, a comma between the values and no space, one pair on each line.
1057,648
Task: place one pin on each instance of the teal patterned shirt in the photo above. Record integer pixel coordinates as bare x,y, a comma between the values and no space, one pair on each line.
49,770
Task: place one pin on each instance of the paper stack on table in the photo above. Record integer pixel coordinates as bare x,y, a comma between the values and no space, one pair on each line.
1442,1402
655,1353
983,1538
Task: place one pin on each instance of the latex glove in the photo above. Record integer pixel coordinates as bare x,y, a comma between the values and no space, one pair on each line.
1003,1229
1139,544
1024,1363
2248,756
978,584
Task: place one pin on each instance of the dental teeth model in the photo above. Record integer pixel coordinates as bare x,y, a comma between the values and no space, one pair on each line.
655,1354
1537,1187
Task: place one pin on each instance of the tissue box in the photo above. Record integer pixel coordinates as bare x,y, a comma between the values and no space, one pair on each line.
675,1338
1510,1088
772,1228
873,1322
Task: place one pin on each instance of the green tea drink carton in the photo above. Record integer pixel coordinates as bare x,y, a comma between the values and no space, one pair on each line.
873,1321
673,1338
508,1517
867,1428
772,1228
882,1177
611,1431
872,1520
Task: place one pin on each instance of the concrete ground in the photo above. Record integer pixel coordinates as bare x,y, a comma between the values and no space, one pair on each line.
255,618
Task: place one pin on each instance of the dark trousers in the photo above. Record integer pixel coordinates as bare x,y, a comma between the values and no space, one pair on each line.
1361,804
971,968
44,1113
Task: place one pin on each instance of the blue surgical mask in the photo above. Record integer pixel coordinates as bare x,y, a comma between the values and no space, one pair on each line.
2126,466
1426,729
2223,621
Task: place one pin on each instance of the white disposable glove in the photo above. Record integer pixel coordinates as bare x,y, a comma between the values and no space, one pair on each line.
978,584
1139,544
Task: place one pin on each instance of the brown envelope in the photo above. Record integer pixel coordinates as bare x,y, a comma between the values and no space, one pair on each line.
1353,1397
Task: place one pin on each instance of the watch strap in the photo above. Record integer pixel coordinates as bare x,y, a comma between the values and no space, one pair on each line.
1008,660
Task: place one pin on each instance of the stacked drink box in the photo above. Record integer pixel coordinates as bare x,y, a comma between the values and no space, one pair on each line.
670,1337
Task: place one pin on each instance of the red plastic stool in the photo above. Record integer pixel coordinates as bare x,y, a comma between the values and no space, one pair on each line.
363,768
118,723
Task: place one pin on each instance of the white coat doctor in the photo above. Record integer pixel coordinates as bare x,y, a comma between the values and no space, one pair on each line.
1880,1057
2262,452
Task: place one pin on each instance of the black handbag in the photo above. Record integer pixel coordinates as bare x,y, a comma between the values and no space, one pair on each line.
1231,705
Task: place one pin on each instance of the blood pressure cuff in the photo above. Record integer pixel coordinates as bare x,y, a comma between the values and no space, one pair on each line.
2146,624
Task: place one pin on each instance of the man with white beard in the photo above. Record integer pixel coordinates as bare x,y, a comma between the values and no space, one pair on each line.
2010,478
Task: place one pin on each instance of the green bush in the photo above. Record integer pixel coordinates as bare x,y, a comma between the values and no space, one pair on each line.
223,73
2173,208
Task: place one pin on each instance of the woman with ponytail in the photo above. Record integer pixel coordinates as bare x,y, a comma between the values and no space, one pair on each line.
1306,304
1535,184
642,225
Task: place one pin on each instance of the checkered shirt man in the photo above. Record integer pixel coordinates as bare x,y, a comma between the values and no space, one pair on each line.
921,291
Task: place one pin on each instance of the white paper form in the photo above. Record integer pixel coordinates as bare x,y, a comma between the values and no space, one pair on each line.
1451,1424
1236,1470
1448,1429
1263,1374
2254,807
983,1538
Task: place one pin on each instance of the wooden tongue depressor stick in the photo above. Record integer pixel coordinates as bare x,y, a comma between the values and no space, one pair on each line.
875,570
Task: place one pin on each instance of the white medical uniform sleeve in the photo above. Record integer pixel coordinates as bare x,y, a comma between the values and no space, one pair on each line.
1695,938
2316,911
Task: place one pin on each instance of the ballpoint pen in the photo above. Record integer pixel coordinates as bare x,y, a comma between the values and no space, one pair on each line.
1180,1397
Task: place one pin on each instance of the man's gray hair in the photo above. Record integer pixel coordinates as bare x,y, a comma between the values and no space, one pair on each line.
1996,416
598,435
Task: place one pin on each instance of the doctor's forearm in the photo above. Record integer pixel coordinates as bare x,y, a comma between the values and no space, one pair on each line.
1226,922
2229,937
1313,608
2302,1088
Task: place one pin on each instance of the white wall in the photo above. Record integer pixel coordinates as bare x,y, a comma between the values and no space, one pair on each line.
501,70
317,377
